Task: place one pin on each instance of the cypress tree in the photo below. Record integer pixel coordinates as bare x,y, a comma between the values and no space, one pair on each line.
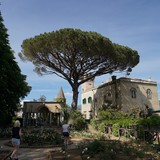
13,85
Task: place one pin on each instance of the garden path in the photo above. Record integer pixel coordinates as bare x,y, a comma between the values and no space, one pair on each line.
42,153
36,153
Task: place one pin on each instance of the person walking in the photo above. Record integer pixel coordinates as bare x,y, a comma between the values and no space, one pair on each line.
16,135
65,131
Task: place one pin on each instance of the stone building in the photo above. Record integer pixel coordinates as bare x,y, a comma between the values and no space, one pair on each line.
127,94
37,113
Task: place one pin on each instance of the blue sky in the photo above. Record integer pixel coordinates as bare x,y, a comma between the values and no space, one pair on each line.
132,23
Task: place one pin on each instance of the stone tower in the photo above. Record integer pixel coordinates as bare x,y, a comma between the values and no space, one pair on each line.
87,85
60,96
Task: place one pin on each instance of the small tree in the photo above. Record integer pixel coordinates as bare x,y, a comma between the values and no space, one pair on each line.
77,56
42,98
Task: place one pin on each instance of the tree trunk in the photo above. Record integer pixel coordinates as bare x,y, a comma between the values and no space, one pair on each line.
75,97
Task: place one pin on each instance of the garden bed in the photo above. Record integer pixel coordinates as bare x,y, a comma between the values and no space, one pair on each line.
4,154
73,154
34,145
76,155
101,150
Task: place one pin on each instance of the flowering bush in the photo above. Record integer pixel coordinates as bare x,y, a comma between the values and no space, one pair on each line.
41,137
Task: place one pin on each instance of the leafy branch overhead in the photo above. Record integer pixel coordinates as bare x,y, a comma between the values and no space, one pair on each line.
77,56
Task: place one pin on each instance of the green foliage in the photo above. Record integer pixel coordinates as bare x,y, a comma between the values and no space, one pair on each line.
5,133
149,124
103,115
77,56
140,132
93,123
115,119
115,124
86,134
59,100
77,120
13,85
101,127
79,124
96,147
125,55
115,150
65,112
115,129
110,114
153,120
110,118
41,137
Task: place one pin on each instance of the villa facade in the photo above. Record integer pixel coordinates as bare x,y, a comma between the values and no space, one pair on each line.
126,94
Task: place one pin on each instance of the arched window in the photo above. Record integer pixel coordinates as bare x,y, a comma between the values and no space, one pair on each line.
84,101
133,92
90,100
149,94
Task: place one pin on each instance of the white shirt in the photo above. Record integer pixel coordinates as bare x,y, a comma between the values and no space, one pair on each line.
65,127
